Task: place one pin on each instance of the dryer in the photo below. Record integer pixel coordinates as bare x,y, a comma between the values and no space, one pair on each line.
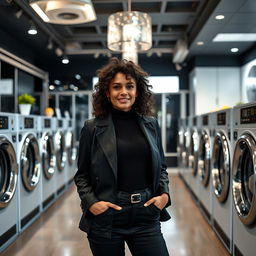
193,179
244,180
221,177
71,151
8,179
47,152
204,165
30,187
60,153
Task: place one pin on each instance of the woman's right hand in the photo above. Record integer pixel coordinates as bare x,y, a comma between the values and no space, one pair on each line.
101,206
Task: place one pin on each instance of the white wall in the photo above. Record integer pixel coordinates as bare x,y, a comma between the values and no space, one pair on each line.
214,87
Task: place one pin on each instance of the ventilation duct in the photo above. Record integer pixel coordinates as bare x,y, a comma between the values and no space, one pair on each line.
64,12
180,51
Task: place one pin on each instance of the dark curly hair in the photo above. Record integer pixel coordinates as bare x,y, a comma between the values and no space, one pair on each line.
143,104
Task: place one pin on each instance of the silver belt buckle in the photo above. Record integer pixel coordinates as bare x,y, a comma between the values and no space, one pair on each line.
135,198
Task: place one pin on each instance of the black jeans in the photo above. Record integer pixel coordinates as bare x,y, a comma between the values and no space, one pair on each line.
136,225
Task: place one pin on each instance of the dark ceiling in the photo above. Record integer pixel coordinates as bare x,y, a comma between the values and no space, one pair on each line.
193,20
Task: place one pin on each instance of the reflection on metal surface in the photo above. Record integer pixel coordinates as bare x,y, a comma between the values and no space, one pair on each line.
180,147
30,162
60,150
221,167
48,157
185,153
70,147
244,179
8,172
204,158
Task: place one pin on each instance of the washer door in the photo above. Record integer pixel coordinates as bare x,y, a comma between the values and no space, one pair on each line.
70,147
48,157
60,150
244,179
193,152
30,162
221,167
8,172
204,158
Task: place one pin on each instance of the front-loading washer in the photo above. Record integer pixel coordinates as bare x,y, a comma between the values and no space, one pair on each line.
180,146
30,186
61,156
193,179
244,180
185,152
48,160
204,165
221,177
71,151
8,179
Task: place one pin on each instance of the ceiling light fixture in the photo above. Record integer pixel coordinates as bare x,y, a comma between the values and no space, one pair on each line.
65,59
219,17
234,49
32,30
200,43
235,37
64,12
129,29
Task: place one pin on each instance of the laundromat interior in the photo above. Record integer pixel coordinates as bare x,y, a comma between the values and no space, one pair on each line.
200,56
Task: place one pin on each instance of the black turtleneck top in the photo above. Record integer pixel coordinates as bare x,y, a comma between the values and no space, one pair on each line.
133,152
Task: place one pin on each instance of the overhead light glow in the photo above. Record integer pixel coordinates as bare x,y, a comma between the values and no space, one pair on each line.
200,43
32,30
234,49
235,37
77,76
219,17
65,60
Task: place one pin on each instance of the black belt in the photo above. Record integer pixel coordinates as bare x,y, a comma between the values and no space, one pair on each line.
134,197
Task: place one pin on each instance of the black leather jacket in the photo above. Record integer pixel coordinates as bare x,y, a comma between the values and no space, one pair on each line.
97,164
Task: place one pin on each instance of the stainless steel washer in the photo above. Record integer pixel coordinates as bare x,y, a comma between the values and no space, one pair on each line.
30,186
221,177
244,180
8,180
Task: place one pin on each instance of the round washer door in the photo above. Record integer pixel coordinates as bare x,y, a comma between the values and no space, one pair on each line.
70,147
193,152
60,150
244,179
204,158
48,157
30,162
221,166
8,172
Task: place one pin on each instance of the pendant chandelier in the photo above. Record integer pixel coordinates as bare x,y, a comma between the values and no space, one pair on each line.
129,31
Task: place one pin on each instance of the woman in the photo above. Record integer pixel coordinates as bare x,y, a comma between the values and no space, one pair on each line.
121,178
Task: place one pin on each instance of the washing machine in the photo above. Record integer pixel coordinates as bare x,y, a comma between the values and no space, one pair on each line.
61,155
180,146
221,177
71,151
205,123
30,186
47,152
8,179
244,180
185,152
193,179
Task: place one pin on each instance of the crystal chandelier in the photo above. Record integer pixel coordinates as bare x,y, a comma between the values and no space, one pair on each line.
129,31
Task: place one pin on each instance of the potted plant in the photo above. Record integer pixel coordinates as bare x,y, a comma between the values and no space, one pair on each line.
25,102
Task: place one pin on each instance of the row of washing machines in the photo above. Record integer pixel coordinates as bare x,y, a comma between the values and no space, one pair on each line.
37,164
217,161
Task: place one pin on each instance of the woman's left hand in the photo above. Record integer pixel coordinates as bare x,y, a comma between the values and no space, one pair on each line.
159,201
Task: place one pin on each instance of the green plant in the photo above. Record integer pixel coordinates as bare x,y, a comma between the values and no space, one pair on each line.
26,99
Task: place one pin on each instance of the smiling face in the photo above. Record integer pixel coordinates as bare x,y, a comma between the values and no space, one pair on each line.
122,92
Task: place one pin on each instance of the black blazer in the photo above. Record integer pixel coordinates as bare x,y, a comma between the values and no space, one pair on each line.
97,164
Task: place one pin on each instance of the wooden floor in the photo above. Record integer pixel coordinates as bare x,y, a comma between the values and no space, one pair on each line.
55,233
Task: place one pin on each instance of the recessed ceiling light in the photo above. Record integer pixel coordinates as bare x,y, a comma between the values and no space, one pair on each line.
32,30
234,49
65,60
235,37
219,17
200,43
